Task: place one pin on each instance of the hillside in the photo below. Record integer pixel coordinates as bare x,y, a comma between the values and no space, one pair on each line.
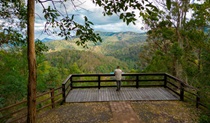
84,61
110,41
124,46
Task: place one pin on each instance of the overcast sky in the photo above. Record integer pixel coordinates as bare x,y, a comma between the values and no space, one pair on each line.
94,14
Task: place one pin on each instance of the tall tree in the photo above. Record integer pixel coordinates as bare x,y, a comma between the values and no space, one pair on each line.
166,31
31,117
178,38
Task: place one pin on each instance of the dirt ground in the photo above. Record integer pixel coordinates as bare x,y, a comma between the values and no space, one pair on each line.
122,112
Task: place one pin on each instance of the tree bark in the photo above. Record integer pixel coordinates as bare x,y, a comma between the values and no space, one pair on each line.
31,117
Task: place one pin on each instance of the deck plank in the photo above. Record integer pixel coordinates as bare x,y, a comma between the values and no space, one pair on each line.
110,94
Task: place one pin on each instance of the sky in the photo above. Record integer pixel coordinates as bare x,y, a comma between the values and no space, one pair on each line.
94,14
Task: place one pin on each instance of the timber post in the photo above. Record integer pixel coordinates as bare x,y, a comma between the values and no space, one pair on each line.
52,97
137,81
64,92
165,80
197,99
71,83
99,81
181,91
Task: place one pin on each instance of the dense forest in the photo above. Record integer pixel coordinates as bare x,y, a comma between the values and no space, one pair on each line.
174,43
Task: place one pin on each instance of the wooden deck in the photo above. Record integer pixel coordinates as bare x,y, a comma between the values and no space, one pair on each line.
110,94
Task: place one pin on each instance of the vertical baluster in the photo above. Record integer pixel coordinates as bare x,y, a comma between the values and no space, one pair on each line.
197,99
52,97
181,91
64,93
99,81
165,81
137,81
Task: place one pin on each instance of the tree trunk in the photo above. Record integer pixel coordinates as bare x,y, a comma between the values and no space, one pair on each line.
31,117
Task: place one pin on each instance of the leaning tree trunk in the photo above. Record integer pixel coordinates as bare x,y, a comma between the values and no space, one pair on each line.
31,117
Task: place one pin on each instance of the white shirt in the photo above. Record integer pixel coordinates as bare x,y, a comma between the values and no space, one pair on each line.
118,74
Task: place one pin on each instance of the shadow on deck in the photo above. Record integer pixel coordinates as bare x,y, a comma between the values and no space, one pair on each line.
110,94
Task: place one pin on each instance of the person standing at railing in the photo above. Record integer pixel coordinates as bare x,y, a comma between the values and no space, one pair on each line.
118,77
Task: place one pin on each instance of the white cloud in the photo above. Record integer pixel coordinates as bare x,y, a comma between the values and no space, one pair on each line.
118,27
94,14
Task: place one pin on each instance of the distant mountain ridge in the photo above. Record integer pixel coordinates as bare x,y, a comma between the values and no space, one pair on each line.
103,34
47,40
118,33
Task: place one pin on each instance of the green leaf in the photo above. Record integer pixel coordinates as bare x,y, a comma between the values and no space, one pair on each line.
86,19
121,16
168,3
72,17
90,22
126,8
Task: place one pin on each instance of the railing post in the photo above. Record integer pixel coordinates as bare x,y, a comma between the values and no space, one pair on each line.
137,81
181,91
99,81
197,99
64,92
52,97
165,80
71,83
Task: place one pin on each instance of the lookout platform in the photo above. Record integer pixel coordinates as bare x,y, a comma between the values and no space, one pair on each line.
126,93
135,86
